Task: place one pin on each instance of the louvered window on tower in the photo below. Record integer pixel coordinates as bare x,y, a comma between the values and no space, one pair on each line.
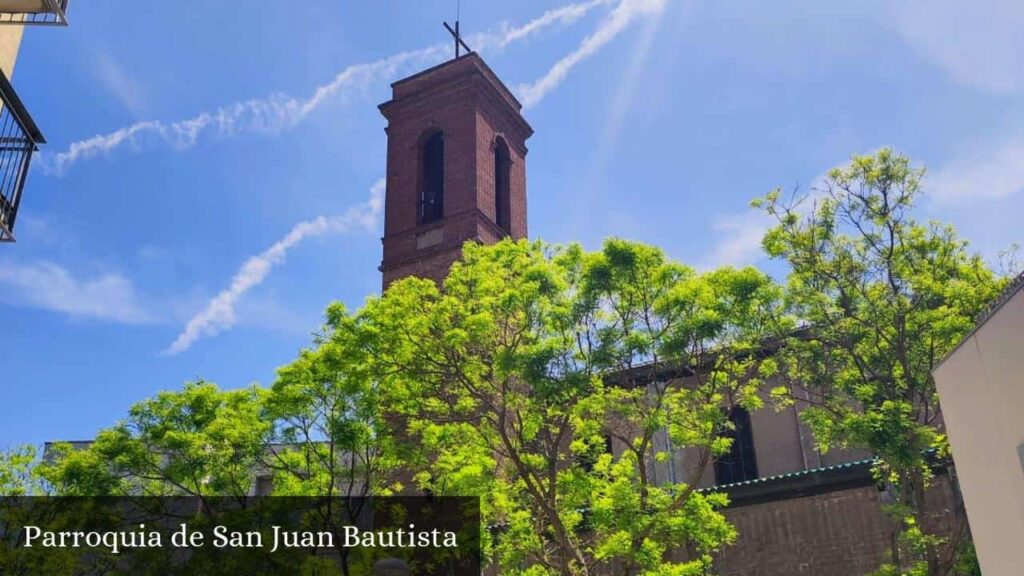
432,191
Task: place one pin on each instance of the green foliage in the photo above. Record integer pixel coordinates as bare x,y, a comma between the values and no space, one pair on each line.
200,441
508,384
967,561
884,299
331,436
18,475
511,382
511,378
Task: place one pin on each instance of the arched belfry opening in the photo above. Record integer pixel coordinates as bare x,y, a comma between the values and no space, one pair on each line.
739,464
502,187
431,207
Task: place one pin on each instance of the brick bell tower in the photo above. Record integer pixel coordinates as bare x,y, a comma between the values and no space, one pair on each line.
456,167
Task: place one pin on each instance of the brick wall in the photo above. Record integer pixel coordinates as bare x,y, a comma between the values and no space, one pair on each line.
838,533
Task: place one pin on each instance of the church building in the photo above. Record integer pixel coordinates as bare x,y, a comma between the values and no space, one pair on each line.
456,172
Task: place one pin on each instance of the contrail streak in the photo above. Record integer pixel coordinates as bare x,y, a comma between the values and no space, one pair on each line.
219,313
276,113
621,17
279,112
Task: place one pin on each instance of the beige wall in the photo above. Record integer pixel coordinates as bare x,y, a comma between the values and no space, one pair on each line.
981,387
10,40
778,442
782,445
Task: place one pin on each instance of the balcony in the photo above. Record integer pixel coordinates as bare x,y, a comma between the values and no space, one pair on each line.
19,138
34,12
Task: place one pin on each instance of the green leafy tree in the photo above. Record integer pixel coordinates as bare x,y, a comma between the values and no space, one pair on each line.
22,483
509,381
18,475
884,298
200,441
331,435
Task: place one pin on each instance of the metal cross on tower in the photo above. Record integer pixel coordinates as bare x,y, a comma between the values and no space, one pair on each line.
455,32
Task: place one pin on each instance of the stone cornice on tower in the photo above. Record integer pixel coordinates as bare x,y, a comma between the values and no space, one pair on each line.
468,72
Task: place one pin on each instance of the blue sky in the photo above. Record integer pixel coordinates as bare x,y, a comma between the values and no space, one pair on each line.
211,180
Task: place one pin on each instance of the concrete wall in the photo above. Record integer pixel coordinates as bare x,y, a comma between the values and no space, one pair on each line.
10,41
981,387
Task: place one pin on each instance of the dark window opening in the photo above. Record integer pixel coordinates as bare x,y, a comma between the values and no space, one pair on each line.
739,463
264,485
502,175
432,190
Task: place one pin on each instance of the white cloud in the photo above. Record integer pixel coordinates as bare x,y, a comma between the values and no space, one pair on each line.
122,86
48,286
618,20
978,44
219,313
739,234
739,239
997,174
279,112
993,174
35,230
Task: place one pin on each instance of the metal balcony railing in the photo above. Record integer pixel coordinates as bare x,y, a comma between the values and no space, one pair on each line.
36,12
19,138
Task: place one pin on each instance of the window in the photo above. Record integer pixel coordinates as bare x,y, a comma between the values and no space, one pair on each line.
432,179
739,463
502,173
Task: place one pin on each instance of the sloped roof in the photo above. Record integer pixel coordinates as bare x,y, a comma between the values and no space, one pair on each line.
798,484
